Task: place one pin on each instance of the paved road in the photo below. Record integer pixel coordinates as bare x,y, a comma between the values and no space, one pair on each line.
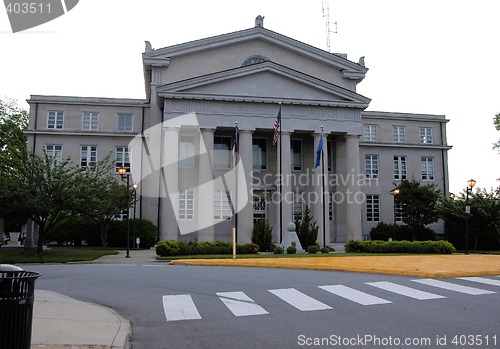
232,307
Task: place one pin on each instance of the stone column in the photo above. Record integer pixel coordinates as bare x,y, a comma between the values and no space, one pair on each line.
245,187
286,195
205,190
322,196
354,229
170,185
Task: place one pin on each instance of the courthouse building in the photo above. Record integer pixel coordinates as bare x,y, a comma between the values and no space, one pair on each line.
177,143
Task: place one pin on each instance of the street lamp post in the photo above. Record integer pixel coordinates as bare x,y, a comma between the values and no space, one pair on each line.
135,185
123,173
470,184
395,192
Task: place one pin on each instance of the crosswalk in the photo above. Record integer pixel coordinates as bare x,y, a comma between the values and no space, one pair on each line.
182,307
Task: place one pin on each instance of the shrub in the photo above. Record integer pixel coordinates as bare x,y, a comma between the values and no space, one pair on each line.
324,250
313,249
262,234
378,246
278,250
307,229
291,250
168,248
144,229
384,231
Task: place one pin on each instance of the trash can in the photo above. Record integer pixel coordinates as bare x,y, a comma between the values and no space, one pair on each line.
17,294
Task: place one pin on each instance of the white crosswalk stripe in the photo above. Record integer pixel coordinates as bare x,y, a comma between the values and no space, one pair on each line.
405,291
481,280
453,287
240,304
180,307
354,295
299,300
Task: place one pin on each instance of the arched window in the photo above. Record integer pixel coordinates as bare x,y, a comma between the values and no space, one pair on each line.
254,60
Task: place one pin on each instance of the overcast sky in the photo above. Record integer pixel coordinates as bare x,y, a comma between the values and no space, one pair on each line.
425,56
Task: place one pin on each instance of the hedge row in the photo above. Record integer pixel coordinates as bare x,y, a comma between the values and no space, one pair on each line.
378,246
169,248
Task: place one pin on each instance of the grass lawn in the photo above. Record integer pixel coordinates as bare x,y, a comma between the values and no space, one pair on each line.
52,255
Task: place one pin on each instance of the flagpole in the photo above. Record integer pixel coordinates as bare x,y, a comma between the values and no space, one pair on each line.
323,189
281,181
236,146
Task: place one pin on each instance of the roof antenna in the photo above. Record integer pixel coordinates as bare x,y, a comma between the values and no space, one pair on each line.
326,16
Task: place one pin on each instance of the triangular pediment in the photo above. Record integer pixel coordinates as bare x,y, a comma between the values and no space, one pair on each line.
264,82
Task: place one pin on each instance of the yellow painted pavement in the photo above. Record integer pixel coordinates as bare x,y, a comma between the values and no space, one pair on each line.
417,265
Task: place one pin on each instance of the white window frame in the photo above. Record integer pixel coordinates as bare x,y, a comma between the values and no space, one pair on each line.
398,212
222,205
330,207
370,133
329,145
55,119
186,204
54,151
296,167
399,134
297,205
122,153
186,155
373,208
259,208
426,135
90,121
88,156
124,126
371,166
400,167
223,157
427,167
262,166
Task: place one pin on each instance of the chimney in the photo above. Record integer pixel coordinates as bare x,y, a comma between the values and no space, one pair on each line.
259,22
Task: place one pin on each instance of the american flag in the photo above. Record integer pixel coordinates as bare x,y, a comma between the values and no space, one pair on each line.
276,127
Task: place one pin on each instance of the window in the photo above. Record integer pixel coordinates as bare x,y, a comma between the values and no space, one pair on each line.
55,119
399,134
222,152
90,121
186,151
222,205
373,208
259,208
399,167
125,123
371,133
371,166
330,206
259,150
427,165
122,158
54,151
296,154
329,145
425,135
88,156
398,212
297,205
186,204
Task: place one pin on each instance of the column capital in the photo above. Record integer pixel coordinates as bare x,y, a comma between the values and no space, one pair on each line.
351,135
208,129
251,130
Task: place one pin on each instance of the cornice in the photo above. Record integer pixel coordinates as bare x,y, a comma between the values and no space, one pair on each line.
95,101
79,133
406,145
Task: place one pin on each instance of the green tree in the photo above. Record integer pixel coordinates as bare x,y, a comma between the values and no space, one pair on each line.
262,234
307,229
484,219
13,154
419,204
496,122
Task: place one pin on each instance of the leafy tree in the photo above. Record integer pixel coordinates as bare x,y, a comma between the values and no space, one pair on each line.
418,204
307,229
13,154
262,234
496,122
484,219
